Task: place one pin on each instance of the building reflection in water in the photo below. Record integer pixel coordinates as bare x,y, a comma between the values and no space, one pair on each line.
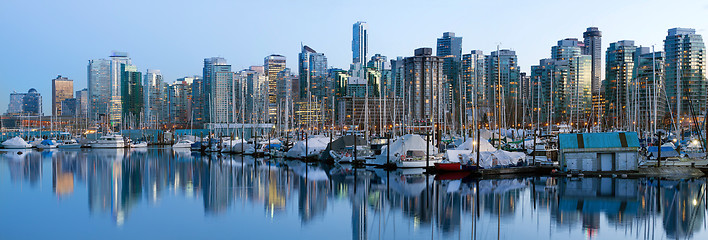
382,204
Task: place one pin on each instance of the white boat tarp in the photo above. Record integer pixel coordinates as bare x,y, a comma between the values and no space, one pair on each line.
315,145
489,156
15,141
408,142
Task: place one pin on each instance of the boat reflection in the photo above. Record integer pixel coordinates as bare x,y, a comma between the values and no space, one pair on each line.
405,203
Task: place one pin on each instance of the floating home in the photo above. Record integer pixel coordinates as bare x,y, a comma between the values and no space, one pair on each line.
598,152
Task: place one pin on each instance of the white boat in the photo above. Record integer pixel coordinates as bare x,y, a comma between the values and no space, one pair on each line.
409,151
184,143
140,144
346,155
47,144
310,148
16,143
109,141
241,147
69,144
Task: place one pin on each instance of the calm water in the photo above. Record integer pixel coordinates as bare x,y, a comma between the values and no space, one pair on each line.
163,194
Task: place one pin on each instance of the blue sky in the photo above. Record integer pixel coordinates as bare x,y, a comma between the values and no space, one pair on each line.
42,39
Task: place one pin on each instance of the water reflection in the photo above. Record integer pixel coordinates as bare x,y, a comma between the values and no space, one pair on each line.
370,203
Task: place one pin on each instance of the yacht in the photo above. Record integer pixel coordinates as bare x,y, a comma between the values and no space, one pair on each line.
138,144
184,143
109,141
16,143
69,144
47,144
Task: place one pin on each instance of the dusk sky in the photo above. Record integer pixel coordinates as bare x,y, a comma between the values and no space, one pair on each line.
43,39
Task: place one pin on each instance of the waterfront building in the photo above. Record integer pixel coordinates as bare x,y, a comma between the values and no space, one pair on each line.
179,102
423,84
62,88
378,61
592,45
503,85
156,110
132,95
397,78
360,42
449,48
118,59
618,83
70,107
686,86
313,74
99,88
82,101
651,95
203,93
273,65
15,106
222,92
473,83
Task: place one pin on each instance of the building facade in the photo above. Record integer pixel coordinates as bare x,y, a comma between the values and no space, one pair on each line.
360,42
686,86
62,89
423,85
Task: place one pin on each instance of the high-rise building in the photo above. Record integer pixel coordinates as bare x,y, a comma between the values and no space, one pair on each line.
592,41
82,99
473,81
132,94
69,107
203,92
155,110
450,49
397,78
29,103
423,81
619,73
503,84
559,89
179,102
62,88
273,65
360,42
116,76
313,74
379,62
686,85
651,96
99,88
220,89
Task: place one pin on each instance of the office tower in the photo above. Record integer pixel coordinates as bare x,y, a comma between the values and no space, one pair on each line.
651,96
99,88
220,91
180,102
32,103
397,77
253,103
23,104
155,110
203,93
313,74
560,88
69,107
619,72
273,64
82,99
357,86
198,107
503,86
14,107
423,81
360,42
449,48
473,82
378,62
62,88
116,71
132,95
685,76
592,41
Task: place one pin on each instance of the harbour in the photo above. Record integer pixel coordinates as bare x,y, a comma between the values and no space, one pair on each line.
145,193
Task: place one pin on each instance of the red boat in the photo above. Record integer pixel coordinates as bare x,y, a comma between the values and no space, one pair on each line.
448,166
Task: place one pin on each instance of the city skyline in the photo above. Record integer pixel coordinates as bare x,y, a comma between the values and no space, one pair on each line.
77,41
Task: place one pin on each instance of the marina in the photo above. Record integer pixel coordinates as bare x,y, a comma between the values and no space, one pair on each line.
144,193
